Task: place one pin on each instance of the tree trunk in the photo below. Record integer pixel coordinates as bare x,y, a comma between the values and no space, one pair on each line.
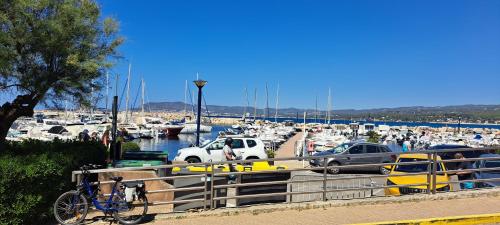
22,105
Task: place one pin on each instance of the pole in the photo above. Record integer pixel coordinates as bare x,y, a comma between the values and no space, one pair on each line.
107,91
185,99
277,102
267,103
255,105
142,106
128,93
305,145
114,129
199,83
316,111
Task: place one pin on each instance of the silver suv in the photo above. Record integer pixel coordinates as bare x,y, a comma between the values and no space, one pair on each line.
355,154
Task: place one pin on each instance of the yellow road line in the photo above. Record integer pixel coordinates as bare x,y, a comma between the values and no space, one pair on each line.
454,220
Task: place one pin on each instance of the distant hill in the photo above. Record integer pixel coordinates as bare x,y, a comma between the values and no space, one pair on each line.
415,113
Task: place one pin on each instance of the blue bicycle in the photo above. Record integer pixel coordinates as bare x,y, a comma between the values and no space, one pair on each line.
127,203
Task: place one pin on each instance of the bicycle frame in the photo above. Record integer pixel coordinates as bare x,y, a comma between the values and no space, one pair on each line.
108,203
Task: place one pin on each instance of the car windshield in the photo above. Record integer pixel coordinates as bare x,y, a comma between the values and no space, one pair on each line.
341,148
206,143
416,168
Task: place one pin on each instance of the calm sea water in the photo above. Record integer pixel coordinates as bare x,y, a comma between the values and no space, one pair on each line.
171,145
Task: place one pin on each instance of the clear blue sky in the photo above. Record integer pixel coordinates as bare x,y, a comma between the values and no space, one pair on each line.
371,53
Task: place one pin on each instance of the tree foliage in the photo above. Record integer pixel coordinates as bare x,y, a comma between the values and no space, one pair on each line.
373,136
50,50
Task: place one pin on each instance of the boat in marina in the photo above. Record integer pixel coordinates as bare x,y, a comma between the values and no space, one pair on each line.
173,130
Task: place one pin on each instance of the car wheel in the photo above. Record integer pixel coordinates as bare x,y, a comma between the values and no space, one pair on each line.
333,170
193,160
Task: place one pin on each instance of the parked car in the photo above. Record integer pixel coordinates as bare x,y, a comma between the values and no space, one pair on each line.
491,174
411,179
355,154
246,148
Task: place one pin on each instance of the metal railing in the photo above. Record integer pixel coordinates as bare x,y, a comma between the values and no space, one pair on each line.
209,187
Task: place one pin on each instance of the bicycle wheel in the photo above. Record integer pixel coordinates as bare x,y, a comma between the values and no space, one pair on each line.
129,213
70,208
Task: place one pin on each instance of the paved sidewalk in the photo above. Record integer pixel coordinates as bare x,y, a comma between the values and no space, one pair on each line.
354,214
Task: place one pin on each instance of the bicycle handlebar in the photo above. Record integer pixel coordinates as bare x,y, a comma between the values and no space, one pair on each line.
85,168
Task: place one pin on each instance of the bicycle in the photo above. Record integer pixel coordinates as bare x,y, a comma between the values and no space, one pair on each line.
127,202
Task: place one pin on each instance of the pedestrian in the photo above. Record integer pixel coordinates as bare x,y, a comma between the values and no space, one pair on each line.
93,136
464,175
84,136
105,138
406,145
230,156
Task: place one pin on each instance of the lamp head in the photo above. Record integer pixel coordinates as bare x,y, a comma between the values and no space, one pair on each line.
200,83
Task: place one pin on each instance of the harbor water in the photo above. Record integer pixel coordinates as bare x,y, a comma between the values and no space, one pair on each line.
172,144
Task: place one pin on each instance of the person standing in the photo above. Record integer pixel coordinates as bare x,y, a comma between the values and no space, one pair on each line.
406,145
464,175
105,138
230,156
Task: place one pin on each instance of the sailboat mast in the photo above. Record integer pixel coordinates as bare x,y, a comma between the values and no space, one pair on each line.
185,98
107,90
316,110
246,103
128,93
277,103
267,102
329,105
255,105
142,85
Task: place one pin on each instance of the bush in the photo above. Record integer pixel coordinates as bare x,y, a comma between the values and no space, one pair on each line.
270,153
373,137
130,147
34,173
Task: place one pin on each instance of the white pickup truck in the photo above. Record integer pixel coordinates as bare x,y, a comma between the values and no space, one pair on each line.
246,148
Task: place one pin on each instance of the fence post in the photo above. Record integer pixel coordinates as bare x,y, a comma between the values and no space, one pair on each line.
325,164
434,172
429,172
212,177
205,190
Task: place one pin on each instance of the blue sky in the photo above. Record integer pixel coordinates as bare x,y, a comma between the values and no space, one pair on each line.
371,53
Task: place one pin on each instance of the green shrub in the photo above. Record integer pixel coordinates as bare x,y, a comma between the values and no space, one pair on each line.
34,173
270,153
130,147
373,137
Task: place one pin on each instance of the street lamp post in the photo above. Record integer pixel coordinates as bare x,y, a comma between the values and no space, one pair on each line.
200,84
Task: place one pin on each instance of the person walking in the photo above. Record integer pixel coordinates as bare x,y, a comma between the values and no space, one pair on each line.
230,156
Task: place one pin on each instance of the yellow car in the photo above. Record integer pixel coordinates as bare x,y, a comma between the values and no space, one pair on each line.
419,180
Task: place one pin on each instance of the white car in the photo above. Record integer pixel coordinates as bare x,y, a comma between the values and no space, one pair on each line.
246,148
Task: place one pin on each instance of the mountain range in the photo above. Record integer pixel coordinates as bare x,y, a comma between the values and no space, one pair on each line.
490,111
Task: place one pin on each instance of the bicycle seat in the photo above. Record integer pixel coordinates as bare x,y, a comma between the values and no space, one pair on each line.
117,179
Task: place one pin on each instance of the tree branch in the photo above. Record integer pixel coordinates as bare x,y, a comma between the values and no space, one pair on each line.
3,86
